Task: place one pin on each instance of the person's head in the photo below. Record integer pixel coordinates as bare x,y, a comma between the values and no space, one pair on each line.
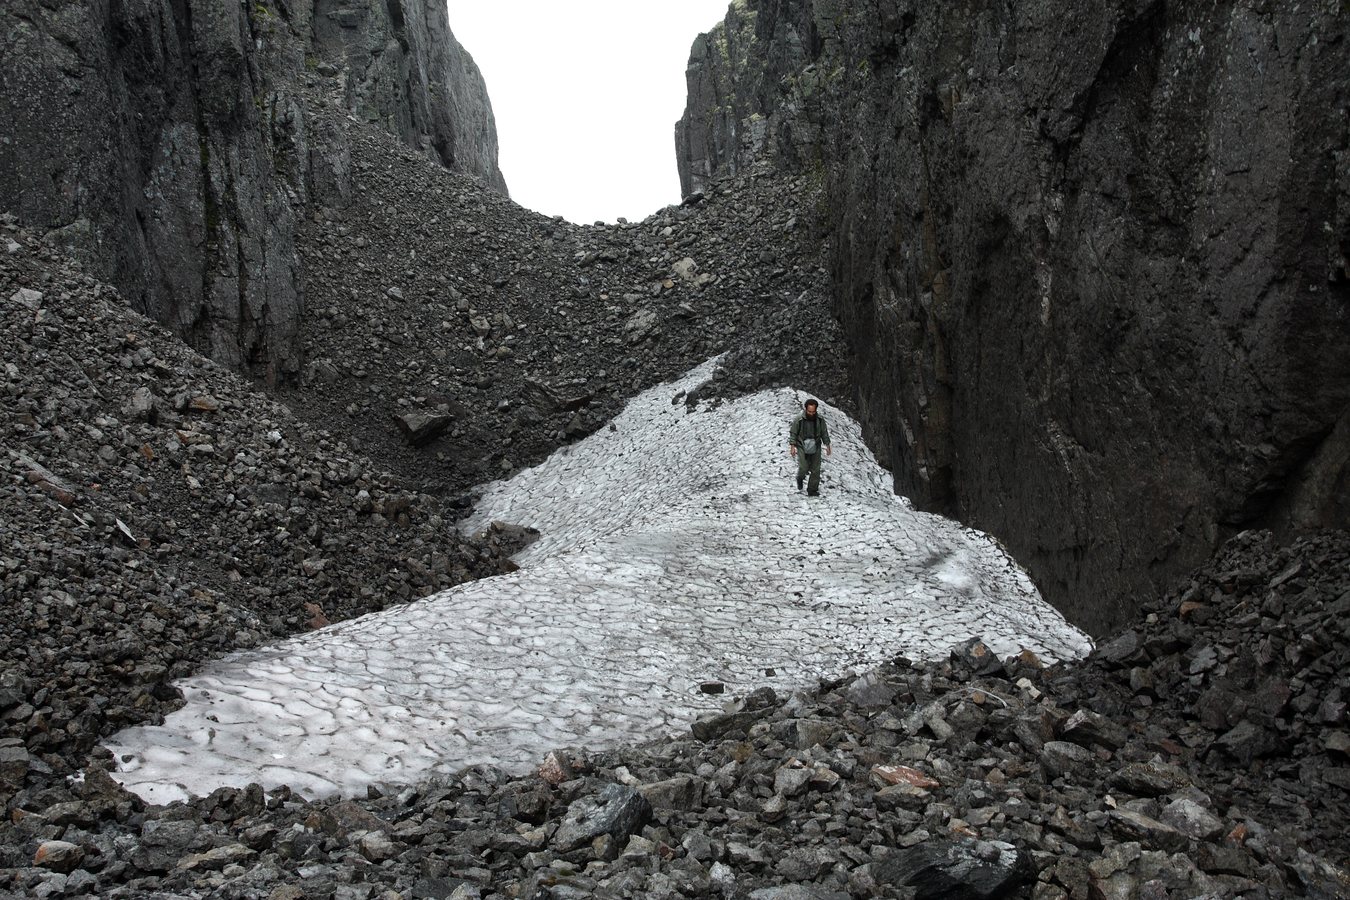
810,406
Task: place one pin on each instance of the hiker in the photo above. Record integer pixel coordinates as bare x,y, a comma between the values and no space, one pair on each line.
807,435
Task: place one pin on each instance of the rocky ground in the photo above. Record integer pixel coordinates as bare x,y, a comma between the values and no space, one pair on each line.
1151,770
156,511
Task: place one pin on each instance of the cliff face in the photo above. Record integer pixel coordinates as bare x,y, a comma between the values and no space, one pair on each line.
172,143
1093,264
751,84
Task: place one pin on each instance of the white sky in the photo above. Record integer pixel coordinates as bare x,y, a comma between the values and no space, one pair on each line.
586,94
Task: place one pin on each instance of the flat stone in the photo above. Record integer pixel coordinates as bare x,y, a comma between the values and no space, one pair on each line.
1130,825
1149,779
892,775
217,858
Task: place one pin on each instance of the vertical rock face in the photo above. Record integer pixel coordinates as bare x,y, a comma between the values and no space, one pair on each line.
751,84
171,143
1094,267
401,66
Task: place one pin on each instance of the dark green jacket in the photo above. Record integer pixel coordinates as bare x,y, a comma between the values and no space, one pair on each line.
802,428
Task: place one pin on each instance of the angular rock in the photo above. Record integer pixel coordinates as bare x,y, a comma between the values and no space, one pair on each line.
617,811
792,779
1088,728
963,869
59,856
1061,759
870,692
1192,820
726,724
217,858
1129,825
684,792
1150,779
163,843
975,656
890,775
421,428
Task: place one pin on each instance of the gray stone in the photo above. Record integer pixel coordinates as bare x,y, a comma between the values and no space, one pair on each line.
1247,742
976,656
1192,819
1135,826
617,811
163,843
420,428
1151,779
59,856
377,847
726,724
1062,759
684,792
217,858
962,869
1087,728
13,766
792,780
870,692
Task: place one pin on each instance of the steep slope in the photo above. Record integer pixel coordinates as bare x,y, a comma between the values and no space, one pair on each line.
170,144
1093,266
156,511
499,334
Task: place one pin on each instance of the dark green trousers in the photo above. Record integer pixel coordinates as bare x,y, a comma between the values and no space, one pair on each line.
809,465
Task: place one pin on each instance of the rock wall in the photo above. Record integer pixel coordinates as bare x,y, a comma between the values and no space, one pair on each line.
172,143
751,82
1093,264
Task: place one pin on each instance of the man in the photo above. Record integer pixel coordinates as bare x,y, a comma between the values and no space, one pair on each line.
807,435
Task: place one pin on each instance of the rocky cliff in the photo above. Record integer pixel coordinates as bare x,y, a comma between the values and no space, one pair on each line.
173,143
752,82
1093,264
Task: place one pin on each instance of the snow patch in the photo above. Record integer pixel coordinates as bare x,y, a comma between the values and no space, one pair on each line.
674,550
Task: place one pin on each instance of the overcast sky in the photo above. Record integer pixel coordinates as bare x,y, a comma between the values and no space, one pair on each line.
586,94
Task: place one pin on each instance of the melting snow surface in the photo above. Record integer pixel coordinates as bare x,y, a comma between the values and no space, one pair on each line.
675,550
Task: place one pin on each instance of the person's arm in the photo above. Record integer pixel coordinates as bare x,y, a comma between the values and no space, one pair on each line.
792,437
825,436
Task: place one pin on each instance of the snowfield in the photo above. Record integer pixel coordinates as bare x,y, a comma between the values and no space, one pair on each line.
675,550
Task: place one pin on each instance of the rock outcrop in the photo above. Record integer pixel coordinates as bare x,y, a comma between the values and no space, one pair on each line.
1093,265
174,145
751,84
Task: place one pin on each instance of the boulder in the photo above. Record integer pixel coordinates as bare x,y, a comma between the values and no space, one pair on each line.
962,869
617,811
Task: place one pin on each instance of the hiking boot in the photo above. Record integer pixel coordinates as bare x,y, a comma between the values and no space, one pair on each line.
799,482
813,493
